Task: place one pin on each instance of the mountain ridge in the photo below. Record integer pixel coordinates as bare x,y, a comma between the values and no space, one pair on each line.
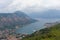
46,14
11,20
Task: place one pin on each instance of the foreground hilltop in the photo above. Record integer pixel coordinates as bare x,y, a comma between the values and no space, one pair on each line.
51,33
14,20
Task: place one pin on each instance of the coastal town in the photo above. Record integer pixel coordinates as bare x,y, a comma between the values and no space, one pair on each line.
9,34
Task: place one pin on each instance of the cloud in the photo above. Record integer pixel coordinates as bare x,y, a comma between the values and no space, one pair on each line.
28,5
4,4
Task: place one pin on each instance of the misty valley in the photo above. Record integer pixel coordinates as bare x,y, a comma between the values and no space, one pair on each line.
29,19
19,26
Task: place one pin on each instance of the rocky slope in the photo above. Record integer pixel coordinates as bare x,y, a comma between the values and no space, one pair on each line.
14,20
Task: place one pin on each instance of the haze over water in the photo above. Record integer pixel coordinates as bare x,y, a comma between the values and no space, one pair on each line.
28,29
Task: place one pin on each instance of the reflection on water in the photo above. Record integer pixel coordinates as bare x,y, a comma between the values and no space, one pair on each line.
28,29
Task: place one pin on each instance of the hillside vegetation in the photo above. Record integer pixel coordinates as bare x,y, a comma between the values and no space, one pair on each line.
52,33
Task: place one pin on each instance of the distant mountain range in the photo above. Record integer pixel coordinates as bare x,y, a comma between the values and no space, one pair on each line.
46,14
13,20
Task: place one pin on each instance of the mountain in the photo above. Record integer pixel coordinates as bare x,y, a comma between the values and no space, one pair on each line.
51,33
46,14
13,20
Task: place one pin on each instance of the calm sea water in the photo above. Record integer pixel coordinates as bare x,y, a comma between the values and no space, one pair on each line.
28,29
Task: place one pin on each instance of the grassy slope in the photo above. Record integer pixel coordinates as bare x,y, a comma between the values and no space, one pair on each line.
52,33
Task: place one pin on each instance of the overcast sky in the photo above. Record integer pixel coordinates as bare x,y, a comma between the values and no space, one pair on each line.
28,5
